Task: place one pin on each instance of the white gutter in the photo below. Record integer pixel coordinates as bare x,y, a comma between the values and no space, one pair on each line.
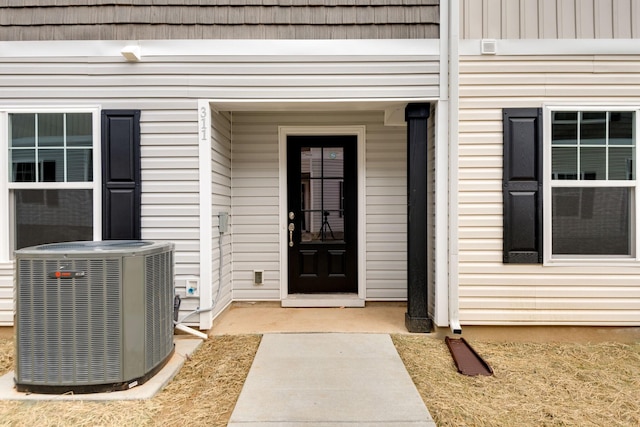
454,104
441,146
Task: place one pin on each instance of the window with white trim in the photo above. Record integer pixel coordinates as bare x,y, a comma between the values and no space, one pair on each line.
53,176
590,160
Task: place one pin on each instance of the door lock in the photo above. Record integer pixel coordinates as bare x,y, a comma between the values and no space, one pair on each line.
291,228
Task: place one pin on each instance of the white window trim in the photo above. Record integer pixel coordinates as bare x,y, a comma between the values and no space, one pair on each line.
6,254
548,184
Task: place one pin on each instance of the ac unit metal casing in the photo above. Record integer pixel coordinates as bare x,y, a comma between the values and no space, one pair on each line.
93,316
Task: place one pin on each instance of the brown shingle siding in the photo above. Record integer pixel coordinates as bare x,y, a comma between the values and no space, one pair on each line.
161,19
233,3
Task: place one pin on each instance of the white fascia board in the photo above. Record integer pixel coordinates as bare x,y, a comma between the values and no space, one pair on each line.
555,47
348,49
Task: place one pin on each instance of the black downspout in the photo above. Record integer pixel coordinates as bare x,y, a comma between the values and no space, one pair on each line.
417,317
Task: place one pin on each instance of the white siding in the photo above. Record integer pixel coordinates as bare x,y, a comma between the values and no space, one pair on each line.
255,202
168,134
495,293
431,210
170,190
166,85
550,19
221,202
6,294
386,240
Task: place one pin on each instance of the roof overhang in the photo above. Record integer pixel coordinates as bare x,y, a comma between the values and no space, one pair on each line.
393,108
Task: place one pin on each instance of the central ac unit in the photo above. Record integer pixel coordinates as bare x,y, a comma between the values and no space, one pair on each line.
92,316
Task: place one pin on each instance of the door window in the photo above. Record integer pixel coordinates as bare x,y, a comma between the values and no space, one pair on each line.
322,179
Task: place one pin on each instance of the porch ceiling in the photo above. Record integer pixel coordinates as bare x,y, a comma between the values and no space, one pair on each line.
393,108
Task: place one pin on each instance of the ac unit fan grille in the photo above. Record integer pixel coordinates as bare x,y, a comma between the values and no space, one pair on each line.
159,308
70,329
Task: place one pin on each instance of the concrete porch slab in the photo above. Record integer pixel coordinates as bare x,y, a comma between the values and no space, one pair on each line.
270,317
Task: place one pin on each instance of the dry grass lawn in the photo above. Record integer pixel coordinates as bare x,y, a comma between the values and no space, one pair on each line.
551,384
534,385
203,393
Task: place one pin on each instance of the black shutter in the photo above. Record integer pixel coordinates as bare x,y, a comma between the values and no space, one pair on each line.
121,174
522,185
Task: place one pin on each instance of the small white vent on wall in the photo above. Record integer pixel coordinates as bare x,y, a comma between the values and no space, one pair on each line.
488,47
258,277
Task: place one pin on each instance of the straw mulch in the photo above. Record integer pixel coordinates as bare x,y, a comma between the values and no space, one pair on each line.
534,384
6,355
203,393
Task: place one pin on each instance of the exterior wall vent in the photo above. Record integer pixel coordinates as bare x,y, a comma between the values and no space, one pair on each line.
258,277
92,316
488,46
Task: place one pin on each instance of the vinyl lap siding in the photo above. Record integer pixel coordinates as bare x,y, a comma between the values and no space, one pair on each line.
431,209
169,151
6,294
170,189
386,187
255,201
255,186
167,96
221,202
550,19
492,292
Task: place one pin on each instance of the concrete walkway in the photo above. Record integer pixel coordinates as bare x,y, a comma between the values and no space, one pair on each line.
329,379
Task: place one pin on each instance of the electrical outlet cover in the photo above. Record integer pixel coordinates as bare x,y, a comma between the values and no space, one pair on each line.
192,288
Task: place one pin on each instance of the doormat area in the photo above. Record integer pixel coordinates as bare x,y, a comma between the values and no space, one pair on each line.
466,359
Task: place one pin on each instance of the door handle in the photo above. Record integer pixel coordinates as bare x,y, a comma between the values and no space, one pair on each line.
291,228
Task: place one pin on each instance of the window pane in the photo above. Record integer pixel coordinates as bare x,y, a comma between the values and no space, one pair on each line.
22,130
621,128
50,130
51,165
325,226
79,130
564,163
50,216
593,163
79,165
311,226
333,220
593,127
311,161
621,163
564,129
23,166
333,162
591,221
53,158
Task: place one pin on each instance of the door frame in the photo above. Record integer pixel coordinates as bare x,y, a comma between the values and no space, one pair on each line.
322,300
